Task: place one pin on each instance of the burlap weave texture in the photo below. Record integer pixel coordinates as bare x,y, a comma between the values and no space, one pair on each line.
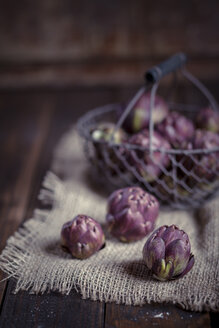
116,273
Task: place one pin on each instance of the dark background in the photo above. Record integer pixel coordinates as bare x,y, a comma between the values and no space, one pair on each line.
102,42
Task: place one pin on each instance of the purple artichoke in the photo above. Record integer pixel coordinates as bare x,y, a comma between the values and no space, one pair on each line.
104,132
82,236
204,165
170,188
167,253
131,213
105,156
177,129
138,118
205,140
208,119
149,167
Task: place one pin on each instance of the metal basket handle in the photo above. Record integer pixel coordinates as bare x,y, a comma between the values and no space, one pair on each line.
170,65
153,75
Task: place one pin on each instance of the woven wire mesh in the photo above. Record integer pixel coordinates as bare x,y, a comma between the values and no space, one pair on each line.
186,180
180,178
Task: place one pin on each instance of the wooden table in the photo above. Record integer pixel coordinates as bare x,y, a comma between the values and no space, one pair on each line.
31,123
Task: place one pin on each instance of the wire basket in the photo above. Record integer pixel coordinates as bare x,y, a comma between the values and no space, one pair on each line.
183,179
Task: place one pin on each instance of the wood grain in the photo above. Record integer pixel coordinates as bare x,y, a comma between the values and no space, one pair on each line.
94,73
53,43
22,137
147,316
51,31
50,310
64,115
20,152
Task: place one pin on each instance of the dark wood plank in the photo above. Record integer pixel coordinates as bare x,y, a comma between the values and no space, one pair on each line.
50,310
64,43
147,316
20,148
66,108
55,31
24,126
85,73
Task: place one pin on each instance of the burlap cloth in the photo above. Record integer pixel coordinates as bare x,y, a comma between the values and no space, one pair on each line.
116,273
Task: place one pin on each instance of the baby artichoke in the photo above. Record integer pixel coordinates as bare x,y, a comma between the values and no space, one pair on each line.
138,118
105,156
149,166
176,128
82,236
167,253
208,119
205,165
104,132
131,213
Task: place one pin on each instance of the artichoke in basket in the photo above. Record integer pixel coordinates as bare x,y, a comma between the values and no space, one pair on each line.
177,129
105,157
167,253
104,131
138,118
131,213
170,189
208,119
82,237
148,166
204,165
